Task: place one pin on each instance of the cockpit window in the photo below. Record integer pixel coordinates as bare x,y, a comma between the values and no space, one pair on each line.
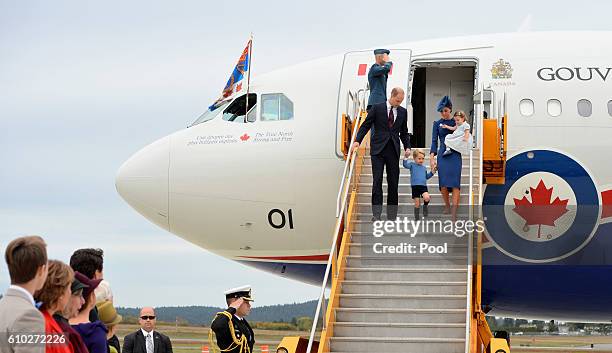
237,111
276,106
210,113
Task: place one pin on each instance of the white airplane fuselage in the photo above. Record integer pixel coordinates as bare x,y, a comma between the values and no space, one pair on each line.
264,193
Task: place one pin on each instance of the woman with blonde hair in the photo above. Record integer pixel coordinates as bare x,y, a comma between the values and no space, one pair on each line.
54,296
109,317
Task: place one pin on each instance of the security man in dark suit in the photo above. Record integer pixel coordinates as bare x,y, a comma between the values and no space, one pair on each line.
377,77
147,340
389,123
233,332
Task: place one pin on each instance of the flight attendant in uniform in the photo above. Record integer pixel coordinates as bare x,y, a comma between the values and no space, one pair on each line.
449,167
233,332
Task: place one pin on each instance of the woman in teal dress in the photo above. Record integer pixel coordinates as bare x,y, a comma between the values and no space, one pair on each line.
449,167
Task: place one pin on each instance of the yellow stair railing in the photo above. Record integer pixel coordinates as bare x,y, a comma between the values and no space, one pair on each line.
334,272
339,261
481,338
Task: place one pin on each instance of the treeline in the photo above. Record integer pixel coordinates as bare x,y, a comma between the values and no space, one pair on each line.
522,325
203,315
538,326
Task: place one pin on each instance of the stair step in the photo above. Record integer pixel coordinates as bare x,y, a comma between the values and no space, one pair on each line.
367,239
465,163
366,225
366,177
420,246
402,261
385,329
403,287
363,212
366,236
392,274
448,301
397,344
407,196
400,315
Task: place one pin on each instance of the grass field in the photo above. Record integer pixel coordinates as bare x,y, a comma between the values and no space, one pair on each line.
562,343
190,339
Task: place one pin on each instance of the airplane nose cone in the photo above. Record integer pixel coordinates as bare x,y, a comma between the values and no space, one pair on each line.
142,181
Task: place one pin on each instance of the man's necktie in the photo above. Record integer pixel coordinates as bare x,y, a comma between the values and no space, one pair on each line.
390,120
149,343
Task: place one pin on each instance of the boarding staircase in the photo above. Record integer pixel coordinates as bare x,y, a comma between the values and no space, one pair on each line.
421,302
406,302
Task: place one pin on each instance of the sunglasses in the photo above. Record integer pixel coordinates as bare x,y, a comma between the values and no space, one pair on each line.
152,317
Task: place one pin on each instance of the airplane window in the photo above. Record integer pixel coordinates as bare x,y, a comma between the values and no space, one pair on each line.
237,111
276,106
210,113
554,107
269,107
526,107
610,108
584,108
286,108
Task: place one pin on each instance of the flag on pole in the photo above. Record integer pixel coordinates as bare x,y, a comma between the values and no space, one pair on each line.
234,83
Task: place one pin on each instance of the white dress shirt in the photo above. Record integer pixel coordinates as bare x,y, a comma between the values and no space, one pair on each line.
145,333
394,111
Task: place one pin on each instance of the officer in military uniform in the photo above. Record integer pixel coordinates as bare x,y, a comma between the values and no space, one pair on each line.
233,332
377,77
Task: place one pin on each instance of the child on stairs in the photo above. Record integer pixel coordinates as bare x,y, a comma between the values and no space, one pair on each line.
418,181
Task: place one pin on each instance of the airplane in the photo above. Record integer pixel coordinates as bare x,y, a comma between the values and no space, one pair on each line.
256,180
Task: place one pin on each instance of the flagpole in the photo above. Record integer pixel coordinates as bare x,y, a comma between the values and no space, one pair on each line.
248,77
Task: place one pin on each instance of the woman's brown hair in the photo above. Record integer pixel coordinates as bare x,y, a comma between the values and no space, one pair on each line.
60,276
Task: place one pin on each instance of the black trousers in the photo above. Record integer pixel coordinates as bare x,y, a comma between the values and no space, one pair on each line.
388,159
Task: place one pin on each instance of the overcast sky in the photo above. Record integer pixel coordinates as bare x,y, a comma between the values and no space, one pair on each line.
84,85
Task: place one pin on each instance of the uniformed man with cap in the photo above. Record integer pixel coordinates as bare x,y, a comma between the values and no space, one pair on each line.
377,77
233,332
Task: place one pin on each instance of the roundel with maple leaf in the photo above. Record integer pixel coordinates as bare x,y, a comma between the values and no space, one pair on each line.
547,210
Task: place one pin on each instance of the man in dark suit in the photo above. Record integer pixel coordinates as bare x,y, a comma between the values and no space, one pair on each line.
389,124
233,332
147,340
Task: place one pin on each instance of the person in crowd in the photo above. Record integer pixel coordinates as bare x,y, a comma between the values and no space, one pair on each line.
54,296
110,318
89,262
449,167
460,140
389,124
26,259
147,339
418,181
233,332
92,332
103,292
75,303
377,77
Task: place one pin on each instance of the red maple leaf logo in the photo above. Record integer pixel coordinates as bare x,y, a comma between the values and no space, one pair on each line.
540,210
245,137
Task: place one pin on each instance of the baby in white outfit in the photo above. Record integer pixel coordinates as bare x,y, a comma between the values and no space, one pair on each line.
461,139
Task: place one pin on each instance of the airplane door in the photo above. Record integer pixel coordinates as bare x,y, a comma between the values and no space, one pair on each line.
352,93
